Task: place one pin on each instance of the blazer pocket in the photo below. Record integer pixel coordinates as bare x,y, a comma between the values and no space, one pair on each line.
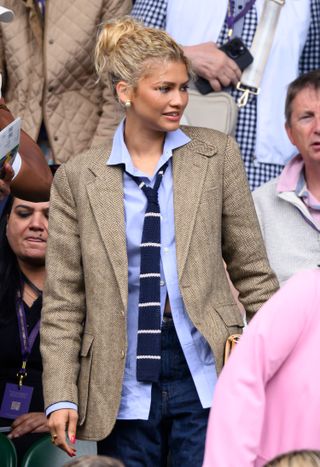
230,315
84,374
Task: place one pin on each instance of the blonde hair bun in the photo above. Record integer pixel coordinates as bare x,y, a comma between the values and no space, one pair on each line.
112,32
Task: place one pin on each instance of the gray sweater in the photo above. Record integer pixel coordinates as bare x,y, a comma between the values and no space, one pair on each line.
291,236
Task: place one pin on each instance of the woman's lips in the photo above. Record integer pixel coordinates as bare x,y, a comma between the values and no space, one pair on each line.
36,239
174,116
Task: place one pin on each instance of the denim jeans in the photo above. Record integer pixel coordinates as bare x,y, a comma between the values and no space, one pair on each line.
177,422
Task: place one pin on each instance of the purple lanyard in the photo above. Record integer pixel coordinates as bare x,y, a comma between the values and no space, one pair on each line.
231,20
42,6
26,341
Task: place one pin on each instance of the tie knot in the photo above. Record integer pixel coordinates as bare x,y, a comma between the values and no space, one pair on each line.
151,194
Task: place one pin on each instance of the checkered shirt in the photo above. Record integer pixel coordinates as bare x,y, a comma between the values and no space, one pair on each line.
153,13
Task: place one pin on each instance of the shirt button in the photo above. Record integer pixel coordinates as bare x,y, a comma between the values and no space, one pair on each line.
162,283
122,354
51,41
166,249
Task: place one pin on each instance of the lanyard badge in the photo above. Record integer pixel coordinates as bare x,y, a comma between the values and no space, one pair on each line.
17,397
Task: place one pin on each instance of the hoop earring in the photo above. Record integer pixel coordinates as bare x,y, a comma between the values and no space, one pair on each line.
127,104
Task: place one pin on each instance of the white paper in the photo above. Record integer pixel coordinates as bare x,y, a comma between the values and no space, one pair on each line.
9,142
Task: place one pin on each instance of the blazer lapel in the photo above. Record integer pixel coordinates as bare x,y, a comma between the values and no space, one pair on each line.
190,164
106,199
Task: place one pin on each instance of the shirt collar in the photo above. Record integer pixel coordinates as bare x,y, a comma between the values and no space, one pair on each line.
292,179
120,155
290,175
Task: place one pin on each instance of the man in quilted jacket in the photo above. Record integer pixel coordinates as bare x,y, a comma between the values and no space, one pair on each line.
46,58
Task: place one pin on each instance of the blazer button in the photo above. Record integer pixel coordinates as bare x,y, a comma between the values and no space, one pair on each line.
123,354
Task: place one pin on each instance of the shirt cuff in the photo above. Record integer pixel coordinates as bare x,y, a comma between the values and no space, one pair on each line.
61,405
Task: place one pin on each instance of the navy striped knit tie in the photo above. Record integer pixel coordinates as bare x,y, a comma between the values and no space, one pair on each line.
149,323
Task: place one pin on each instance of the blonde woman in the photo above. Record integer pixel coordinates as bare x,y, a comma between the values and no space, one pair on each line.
137,303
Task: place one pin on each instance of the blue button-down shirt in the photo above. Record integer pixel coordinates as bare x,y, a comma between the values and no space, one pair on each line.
136,396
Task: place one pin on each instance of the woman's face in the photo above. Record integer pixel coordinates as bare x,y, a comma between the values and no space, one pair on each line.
159,99
27,230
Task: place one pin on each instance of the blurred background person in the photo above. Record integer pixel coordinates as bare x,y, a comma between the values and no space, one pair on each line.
136,272
305,458
202,26
288,207
94,461
29,177
48,73
23,240
267,399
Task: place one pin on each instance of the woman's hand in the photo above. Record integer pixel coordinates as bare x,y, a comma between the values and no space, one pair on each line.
7,175
62,421
33,422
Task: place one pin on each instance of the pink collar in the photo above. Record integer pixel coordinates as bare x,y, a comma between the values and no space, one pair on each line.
290,175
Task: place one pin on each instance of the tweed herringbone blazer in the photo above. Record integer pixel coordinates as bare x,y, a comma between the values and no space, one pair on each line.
83,332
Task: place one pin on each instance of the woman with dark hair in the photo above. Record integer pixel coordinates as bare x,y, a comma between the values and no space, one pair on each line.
23,238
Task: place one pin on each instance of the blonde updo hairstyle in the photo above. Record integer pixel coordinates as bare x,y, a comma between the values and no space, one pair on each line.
126,50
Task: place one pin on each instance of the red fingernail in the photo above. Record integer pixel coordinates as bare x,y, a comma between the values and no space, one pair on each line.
73,439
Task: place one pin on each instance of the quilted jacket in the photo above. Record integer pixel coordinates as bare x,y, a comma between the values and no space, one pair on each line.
49,75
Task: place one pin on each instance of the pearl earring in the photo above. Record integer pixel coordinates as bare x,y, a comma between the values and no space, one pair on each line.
127,104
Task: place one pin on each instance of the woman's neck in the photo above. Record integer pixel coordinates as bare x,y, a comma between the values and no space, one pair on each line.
35,273
145,147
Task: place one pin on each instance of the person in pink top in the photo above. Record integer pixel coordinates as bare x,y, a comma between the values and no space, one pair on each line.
267,399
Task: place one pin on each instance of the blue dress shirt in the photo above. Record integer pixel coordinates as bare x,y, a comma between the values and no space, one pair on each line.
136,396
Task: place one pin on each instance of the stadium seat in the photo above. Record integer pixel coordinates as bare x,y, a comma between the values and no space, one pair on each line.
8,455
44,454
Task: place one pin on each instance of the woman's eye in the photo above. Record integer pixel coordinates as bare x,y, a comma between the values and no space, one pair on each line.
164,89
184,88
23,214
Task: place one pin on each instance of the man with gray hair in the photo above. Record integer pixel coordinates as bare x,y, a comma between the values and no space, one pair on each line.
288,207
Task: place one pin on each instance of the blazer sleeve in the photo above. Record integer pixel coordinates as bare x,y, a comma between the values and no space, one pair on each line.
242,244
63,310
239,403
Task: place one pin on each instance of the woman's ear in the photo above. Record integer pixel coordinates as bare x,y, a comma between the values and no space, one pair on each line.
124,92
